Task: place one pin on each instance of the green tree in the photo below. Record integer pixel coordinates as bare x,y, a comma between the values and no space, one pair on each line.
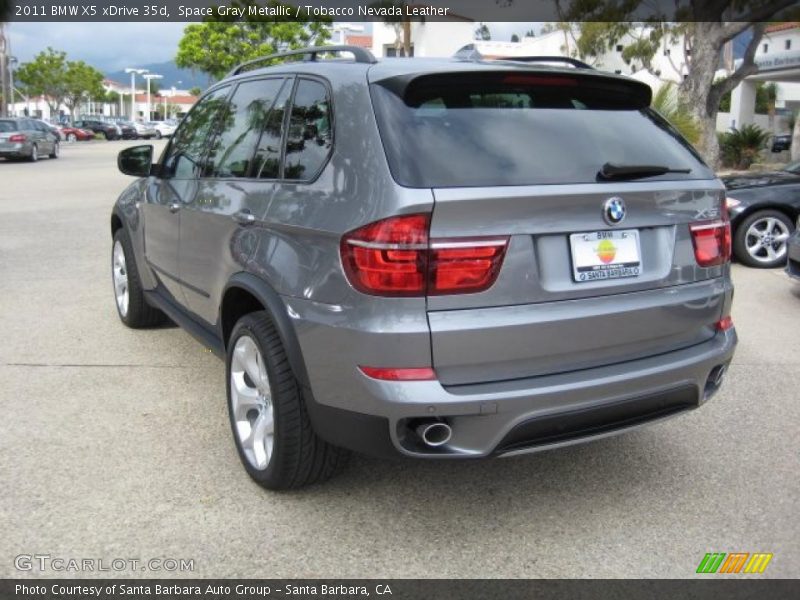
706,26
45,76
482,32
514,38
81,81
218,44
667,103
195,91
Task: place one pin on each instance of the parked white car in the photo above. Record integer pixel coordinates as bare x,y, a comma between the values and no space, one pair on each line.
163,128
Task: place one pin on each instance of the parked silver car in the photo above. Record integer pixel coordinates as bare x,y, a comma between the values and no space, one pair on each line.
430,258
27,138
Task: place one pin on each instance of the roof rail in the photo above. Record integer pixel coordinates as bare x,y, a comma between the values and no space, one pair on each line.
361,55
471,53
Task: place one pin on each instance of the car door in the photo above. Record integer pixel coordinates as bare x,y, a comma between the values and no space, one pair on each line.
173,188
215,239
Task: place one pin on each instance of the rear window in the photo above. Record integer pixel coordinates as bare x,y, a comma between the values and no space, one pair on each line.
507,128
7,126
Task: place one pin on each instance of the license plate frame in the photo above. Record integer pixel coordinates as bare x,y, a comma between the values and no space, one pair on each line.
604,255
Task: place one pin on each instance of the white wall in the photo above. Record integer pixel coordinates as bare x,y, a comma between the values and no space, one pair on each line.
429,39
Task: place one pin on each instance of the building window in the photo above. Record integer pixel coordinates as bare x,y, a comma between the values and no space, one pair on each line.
618,72
390,51
619,47
666,51
765,48
787,45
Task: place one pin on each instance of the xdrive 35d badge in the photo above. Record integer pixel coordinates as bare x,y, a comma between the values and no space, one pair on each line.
406,258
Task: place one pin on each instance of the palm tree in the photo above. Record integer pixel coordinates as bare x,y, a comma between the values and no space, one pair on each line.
666,103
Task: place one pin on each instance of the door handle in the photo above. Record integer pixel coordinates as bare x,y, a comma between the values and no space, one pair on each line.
174,207
244,217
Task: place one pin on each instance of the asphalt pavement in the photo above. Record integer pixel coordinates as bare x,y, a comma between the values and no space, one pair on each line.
115,443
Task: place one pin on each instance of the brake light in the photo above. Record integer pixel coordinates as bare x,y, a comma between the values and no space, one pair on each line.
17,137
724,324
395,257
712,242
412,374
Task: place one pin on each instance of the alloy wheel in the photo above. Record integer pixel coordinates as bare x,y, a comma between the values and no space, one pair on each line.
120,275
251,403
766,240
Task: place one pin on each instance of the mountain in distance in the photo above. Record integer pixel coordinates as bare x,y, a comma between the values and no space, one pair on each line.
183,79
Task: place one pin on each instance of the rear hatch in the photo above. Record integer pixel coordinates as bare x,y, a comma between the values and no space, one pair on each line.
594,198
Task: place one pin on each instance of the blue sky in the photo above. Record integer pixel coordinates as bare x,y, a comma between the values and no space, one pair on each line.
114,46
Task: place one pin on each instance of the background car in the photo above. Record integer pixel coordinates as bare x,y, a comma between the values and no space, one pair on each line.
127,129
144,130
75,134
781,142
163,128
764,208
108,130
53,128
27,138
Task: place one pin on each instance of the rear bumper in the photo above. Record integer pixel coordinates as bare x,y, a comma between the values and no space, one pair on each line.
507,417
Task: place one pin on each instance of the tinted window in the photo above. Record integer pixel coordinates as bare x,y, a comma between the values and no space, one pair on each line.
8,126
309,138
521,129
232,150
268,154
188,146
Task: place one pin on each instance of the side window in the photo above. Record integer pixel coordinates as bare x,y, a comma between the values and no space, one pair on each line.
268,154
309,138
189,142
231,152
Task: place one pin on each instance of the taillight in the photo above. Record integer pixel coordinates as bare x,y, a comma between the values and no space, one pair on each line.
724,324
712,242
395,257
17,137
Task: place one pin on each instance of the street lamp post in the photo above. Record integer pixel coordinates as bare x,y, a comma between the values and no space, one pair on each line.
12,60
148,77
133,73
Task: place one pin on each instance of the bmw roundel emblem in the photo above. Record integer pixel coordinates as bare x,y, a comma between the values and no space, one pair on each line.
614,210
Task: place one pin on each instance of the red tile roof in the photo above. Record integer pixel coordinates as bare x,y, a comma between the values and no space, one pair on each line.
364,41
782,26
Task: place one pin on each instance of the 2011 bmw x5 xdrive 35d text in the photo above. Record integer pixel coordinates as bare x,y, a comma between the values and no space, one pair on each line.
446,258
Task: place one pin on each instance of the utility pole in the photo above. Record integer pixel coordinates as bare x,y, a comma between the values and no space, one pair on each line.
4,71
133,73
148,77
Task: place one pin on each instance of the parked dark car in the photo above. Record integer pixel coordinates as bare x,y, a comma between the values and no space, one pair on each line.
781,142
128,129
27,138
764,207
107,130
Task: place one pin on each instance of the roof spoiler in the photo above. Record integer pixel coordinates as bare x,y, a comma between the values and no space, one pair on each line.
471,53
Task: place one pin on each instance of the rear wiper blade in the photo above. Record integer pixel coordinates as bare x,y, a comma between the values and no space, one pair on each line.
616,171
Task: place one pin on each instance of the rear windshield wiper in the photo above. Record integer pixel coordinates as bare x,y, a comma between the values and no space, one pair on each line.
615,171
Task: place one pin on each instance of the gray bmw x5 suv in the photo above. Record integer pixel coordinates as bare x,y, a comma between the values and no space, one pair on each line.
448,258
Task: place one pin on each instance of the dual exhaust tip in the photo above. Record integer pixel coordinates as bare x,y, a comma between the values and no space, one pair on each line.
434,433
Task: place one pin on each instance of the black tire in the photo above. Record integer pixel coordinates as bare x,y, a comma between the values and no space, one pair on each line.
105,135
740,239
54,153
139,314
299,457
34,153
158,135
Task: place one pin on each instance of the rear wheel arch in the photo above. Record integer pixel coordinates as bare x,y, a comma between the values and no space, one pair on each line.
791,212
116,223
246,293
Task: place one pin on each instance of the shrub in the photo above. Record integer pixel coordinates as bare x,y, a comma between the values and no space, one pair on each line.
740,148
666,102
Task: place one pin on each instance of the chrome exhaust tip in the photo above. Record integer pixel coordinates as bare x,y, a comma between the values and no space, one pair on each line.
434,433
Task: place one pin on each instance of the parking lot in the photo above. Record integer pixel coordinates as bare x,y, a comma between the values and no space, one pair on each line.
116,443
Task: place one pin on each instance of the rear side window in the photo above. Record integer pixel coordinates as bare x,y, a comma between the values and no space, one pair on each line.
507,128
309,138
231,152
268,154
7,126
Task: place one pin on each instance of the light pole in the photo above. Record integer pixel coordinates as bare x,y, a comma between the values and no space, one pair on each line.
148,77
12,60
133,73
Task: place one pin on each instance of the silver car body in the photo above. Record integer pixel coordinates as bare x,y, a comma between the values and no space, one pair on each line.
33,131
536,361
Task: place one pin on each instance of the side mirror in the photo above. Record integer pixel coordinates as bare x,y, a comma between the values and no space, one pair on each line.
136,161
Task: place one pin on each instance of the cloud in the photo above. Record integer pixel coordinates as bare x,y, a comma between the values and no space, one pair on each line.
106,46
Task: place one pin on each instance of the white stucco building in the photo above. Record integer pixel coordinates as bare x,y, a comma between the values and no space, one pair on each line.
431,38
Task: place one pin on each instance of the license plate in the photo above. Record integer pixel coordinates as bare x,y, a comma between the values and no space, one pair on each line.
605,255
